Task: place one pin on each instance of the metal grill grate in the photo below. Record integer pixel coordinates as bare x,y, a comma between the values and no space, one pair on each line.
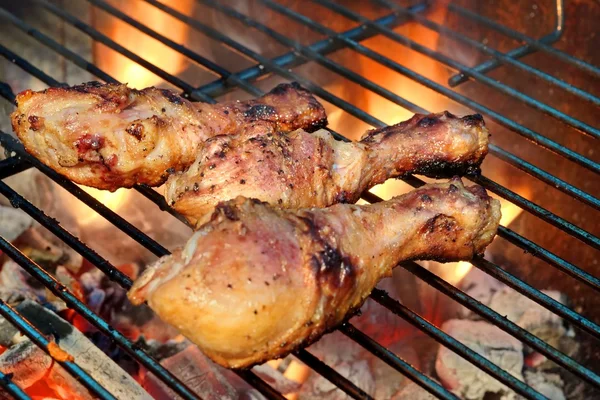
318,52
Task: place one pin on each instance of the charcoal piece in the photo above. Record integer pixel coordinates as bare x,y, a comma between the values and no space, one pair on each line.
98,365
464,378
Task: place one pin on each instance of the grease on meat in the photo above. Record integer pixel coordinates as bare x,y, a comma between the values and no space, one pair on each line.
110,136
299,170
257,282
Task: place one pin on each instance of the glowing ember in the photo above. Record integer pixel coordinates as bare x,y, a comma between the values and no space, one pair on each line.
296,372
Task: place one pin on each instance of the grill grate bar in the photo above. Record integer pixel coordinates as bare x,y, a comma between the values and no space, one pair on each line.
324,47
538,211
103,264
72,302
396,362
52,44
448,341
495,53
500,321
521,51
224,73
544,300
264,388
342,107
28,67
313,55
569,268
524,38
436,55
17,201
11,166
214,34
549,257
524,243
545,176
94,34
332,375
500,119
40,340
231,12
12,388
527,167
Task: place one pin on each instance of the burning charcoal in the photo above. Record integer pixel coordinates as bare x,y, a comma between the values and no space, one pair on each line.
49,251
196,371
388,380
480,286
17,285
65,277
412,391
159,350
499,347
358,372
376,321
550,385
13,223
252,394
530,315
276,379
32,185
30,365
65,385
348,359
27,362
7,333
98,365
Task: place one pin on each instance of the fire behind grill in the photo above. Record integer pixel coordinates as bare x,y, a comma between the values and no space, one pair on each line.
282,66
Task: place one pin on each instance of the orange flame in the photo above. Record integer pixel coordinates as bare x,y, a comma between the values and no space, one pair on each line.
127,71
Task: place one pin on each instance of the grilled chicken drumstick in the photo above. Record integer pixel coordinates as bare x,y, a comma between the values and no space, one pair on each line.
299,170
257,282
110,136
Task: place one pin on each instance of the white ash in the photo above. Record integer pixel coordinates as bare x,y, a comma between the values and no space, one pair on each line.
489,341
13,223
347,358
529,315
197,372
358,372
548,384
481,287
388,381
16,284
8,333
276,379
412,391
34,186
27,362
47,246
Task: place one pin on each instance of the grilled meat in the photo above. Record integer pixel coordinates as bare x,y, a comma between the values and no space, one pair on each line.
110,136
257,282
299,170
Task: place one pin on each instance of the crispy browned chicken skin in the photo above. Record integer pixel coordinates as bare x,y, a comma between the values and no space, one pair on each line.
299,170
257,282
110,136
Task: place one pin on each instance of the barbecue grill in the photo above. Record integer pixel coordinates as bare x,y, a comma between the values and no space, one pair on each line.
321,52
